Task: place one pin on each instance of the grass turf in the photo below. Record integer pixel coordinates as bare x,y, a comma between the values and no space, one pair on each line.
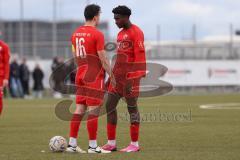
184,131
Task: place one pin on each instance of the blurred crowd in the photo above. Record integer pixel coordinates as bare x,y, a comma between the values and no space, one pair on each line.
21,75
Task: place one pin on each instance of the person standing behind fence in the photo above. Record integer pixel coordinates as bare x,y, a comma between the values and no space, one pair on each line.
24,77
16,90
58,83
38,76
71,68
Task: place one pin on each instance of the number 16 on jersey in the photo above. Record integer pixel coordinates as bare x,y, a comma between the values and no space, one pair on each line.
80,49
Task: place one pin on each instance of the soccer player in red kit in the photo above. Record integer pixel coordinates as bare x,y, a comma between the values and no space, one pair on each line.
88,49
4,69
129,68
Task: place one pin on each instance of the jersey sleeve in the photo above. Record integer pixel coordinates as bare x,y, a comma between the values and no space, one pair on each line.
139,49
100,41
139,56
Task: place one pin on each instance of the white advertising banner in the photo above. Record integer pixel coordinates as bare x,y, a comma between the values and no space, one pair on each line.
201,72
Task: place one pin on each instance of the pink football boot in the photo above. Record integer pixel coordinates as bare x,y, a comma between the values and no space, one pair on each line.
130,148
109,147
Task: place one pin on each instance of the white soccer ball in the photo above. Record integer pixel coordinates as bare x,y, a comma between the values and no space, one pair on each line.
58,144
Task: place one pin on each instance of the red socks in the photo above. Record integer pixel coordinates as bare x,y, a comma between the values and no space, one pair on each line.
1,103
92,126
134,132
111,131
74,125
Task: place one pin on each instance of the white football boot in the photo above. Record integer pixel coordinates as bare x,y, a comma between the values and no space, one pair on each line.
97,150
76,149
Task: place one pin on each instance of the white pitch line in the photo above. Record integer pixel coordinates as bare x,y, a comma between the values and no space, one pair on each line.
221,106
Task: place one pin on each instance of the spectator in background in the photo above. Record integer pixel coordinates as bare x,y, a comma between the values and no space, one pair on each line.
37,81
16,90
72,70
58,78
24,78
55,63
54,66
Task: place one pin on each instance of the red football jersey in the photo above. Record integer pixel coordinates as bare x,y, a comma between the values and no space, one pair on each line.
4,61
86,42
131,44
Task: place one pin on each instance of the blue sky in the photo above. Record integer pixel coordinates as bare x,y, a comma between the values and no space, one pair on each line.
175,17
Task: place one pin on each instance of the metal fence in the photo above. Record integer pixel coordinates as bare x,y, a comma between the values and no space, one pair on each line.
218,51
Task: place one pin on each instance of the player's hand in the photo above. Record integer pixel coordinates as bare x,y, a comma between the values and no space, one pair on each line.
5,83
129,88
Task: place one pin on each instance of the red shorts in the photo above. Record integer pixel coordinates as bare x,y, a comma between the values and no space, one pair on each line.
1,81
90,94
121,88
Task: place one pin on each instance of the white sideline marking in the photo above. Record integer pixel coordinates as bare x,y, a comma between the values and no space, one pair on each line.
221,106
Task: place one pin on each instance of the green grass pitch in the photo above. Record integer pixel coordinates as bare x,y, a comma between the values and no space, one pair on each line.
173,127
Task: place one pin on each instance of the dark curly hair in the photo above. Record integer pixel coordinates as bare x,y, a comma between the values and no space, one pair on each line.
122,10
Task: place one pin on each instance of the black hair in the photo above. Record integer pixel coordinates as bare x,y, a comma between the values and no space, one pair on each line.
122,10
91,11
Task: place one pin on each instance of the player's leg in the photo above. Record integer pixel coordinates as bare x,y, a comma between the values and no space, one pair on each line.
92,127
131,98
134,125
74,128
111,105
134,119
1,95
1,100
75,123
